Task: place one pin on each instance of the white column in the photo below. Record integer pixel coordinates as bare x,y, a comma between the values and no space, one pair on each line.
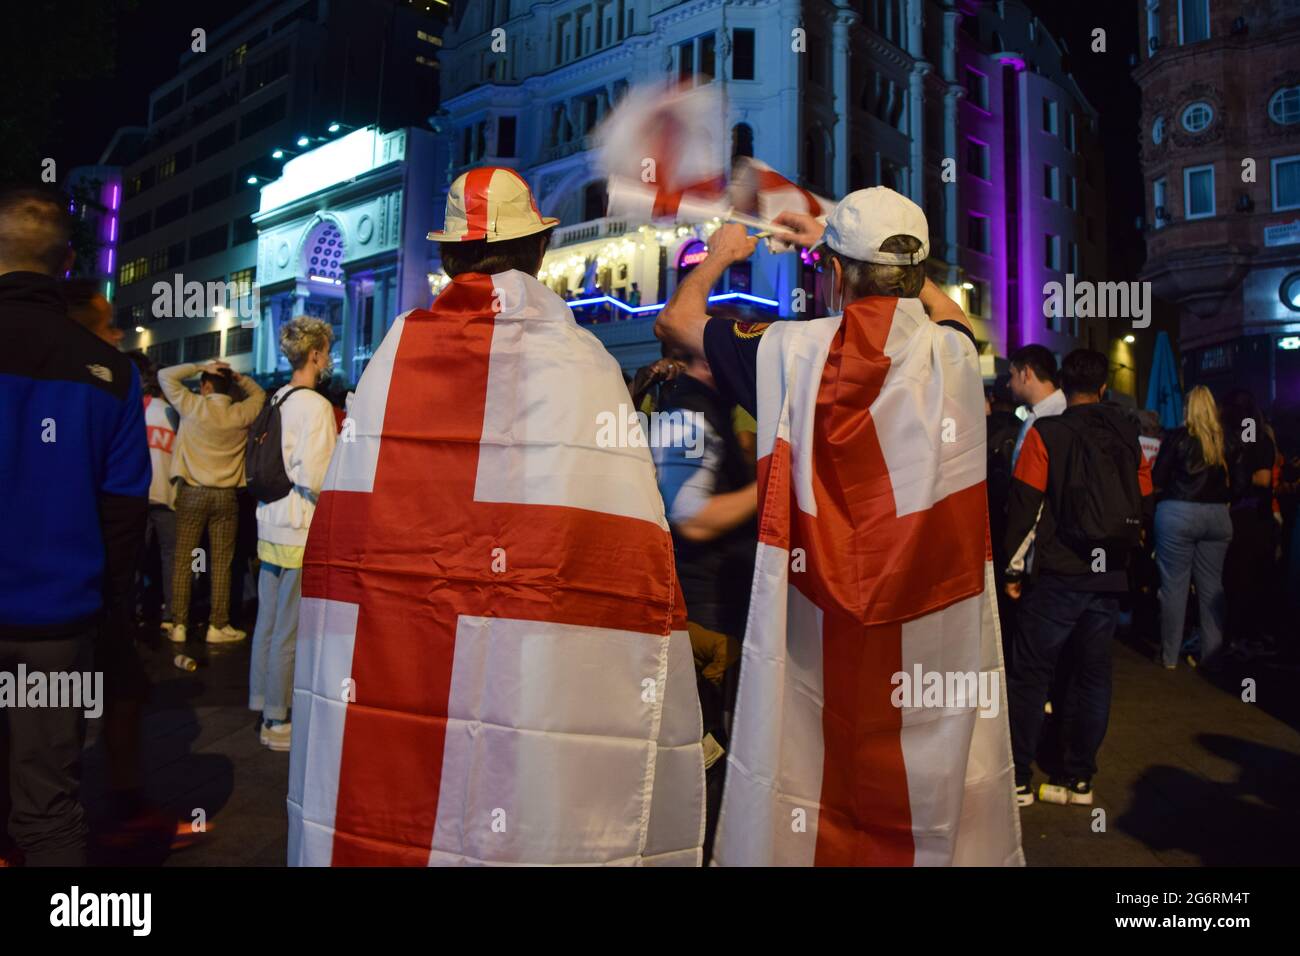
843,105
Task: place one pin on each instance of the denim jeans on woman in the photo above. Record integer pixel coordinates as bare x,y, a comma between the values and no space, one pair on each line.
1191,543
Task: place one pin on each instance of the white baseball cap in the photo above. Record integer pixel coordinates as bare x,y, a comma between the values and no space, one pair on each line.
864,219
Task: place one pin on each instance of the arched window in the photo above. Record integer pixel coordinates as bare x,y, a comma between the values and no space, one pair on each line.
857,177
323,253
1284,106
742,140
1158,130
594,200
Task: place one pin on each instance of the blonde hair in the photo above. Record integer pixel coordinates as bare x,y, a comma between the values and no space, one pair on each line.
1203,424
300,335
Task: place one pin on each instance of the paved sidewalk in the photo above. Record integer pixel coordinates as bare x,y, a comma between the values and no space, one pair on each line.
1190,775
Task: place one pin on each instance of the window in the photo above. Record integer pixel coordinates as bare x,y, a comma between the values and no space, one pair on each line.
214,142
203,80
239,341
1286,183
168,102
1051,182
137,226
505,136
266,70
742,140
172,210
1284,106
244,231
235,58
977,298
242,281
1193,20
1074,193
1153,27
208,243
1074,257
1159,202
214,190
1198,191
977,88
165,353
977,158
1051,116
256,120
593,200
167,167
1158,130
1070,130
199,348
977,232
1197,117
132,271
1052,251
742,54
1289,291
696,60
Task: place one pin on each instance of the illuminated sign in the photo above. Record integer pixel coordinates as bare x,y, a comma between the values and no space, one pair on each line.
692,254
1290,343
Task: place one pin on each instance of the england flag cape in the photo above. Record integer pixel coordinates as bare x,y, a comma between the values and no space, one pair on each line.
492,660
872,575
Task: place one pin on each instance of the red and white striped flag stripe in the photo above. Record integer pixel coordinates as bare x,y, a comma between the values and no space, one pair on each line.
872,561
492,659
759,190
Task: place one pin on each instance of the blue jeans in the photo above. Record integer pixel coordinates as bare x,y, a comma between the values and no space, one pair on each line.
275,638
1074,628
1191,540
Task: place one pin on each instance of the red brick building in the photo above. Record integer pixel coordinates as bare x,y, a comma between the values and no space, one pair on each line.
1220,146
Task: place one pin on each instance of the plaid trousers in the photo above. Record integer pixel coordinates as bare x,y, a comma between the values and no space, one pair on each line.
215,509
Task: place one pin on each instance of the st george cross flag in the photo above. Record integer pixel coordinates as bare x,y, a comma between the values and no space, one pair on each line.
759,190
493,666
872,563
661,156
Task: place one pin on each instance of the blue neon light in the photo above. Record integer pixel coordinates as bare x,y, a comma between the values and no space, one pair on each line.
721,297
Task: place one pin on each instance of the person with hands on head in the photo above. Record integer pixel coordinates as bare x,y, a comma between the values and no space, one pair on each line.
208,469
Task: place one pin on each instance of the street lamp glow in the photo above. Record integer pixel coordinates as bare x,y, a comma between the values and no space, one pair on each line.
303,141
1130,339
278,154
252,180
139,329
968,286
333,127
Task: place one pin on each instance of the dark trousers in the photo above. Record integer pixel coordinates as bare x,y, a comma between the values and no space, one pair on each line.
1071,629
44,744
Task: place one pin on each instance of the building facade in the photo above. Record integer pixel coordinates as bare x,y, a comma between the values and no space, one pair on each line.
282,77
1221,162
835,95
342,237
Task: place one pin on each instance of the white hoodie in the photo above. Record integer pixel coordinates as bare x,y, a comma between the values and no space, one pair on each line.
307,435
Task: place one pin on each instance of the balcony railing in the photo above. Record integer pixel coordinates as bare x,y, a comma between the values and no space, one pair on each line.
605,228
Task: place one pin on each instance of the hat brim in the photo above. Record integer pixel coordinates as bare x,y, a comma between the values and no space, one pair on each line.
548,222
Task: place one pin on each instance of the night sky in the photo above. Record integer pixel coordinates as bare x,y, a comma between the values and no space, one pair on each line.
152,36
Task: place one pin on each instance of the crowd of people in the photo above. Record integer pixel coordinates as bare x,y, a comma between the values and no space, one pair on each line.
1096,515
152,495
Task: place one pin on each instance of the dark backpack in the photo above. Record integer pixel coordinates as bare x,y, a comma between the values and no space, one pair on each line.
1101,502
264,459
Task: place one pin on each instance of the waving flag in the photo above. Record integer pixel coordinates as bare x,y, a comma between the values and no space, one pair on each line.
759,190
661,156
492,658
872,563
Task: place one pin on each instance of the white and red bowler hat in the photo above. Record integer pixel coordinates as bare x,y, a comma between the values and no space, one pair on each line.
492,203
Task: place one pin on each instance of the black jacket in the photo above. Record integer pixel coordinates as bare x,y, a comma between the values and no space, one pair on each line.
1181,474
1035,500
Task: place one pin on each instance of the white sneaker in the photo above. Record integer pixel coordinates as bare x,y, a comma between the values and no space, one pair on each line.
224,635
175,632
278,737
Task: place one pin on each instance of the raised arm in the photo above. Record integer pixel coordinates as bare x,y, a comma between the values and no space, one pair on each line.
940,308
681,322
171,380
